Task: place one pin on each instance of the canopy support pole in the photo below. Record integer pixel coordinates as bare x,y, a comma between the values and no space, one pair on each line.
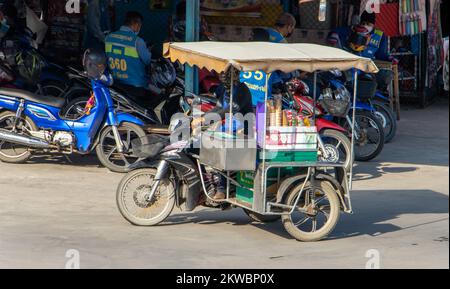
192,35
355,87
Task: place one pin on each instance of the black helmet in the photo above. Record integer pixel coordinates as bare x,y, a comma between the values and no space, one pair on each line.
163,73
94,63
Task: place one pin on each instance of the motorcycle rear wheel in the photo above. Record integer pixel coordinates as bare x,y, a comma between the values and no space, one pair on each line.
14,153
131,201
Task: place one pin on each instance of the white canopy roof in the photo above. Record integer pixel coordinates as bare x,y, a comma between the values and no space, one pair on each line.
266,56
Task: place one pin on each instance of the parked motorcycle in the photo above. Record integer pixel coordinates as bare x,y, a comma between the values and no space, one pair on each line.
368,133
77,93
32,123
369,94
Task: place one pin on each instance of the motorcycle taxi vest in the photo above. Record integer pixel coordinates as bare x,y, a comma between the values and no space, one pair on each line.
374,44
275,36
123,59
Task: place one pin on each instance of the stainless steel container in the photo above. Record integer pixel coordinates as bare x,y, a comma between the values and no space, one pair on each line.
228,153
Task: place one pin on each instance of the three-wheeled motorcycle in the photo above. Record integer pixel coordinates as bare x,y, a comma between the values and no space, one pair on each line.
271,171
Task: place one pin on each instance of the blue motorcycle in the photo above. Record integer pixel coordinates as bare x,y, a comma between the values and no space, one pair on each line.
369,132
31,123
370,95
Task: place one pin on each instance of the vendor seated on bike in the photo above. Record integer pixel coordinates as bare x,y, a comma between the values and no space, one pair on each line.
242,103
128,58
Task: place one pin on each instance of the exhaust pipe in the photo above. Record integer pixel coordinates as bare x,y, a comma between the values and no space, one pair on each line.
28,141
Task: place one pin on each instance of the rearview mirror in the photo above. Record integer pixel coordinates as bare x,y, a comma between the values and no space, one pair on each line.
323,10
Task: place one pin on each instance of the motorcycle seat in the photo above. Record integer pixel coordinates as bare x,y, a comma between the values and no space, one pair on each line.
22,94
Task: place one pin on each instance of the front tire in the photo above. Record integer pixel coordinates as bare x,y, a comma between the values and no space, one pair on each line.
107,148
320,199
15,153
340,147
371,136
133,205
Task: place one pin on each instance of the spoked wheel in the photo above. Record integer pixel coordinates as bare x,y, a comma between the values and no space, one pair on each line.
387,118
370,132
108,153
14,153
51,89
338,148
132,198
75,109
316,214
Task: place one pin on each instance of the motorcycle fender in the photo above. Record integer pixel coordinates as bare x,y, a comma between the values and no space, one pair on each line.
187,171
122,117
286,185
144,164
364,106
381,96
327,124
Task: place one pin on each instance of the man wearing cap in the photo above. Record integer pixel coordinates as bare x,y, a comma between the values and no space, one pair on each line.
283,28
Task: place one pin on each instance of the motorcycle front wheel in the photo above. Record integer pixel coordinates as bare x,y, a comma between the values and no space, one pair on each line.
131,198
387,118
107,151
370,141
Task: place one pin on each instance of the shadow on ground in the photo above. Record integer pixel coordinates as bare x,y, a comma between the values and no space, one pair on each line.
375,213
90,160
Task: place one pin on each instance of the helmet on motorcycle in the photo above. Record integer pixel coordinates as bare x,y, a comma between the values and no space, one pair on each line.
179,31
29,65
163,73
359,38
94,63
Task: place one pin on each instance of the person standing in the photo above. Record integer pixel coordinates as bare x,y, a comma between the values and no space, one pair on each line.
128,58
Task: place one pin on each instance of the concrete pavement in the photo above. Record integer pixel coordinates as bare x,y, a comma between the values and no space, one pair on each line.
50,206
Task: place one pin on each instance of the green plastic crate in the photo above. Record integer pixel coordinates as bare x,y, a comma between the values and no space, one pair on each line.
290,156
246,179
